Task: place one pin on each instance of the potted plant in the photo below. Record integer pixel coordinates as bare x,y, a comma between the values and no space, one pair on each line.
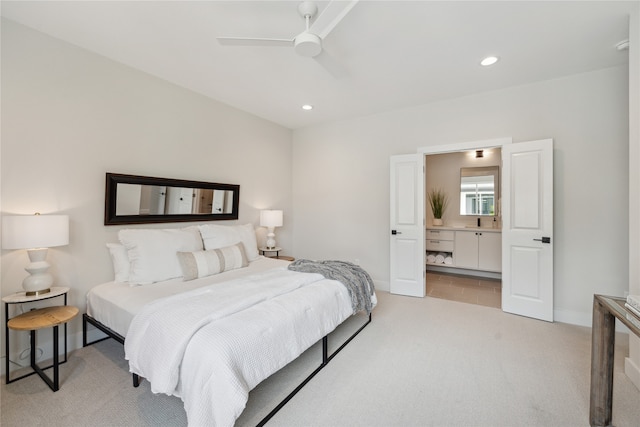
438,201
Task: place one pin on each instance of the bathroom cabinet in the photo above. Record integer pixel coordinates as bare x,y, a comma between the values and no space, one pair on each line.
440,240
478,249
475,249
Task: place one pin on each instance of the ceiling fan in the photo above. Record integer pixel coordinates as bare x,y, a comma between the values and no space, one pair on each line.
309,42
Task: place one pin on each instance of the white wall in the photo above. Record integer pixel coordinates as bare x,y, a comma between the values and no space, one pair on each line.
70,116
632,363
341,177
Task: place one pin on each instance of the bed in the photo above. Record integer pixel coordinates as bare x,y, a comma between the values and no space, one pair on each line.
225,321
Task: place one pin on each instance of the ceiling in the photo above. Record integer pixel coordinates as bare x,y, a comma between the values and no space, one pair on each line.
393,54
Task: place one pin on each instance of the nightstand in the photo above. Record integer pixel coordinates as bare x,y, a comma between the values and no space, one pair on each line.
39,319
264,251
21,298
277,250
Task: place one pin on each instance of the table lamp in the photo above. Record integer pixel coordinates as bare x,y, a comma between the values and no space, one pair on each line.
271,218
36,233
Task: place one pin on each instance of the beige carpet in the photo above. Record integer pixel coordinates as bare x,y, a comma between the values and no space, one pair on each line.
421,362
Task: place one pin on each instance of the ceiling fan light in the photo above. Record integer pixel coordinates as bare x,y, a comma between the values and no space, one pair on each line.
307,44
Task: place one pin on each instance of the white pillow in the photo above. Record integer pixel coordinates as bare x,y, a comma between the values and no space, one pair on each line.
120,260
206,263
152,253
220,236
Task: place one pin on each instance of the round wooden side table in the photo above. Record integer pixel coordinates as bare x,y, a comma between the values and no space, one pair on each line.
39,319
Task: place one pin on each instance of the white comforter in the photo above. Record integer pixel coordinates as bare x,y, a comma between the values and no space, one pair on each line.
212,345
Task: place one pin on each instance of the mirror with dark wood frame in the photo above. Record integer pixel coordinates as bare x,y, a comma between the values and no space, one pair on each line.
133,199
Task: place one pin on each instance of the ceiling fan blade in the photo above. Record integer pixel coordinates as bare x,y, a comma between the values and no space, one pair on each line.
330,17
248,41
330,64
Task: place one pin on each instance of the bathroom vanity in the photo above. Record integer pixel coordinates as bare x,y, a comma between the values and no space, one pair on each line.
474,248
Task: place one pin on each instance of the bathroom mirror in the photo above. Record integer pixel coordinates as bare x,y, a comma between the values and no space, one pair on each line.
479,191
132,199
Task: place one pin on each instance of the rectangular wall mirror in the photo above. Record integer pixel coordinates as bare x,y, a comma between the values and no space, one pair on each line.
479,191
132,199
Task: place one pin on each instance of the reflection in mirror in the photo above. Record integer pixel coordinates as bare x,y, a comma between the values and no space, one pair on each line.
135,199
479,191
152,199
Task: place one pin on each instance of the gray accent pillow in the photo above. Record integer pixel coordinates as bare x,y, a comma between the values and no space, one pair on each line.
206,263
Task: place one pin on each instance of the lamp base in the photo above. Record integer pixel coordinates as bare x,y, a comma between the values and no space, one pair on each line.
36,293
271,238
39,280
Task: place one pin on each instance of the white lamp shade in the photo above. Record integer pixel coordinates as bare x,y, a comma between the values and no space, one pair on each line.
34,231
271,218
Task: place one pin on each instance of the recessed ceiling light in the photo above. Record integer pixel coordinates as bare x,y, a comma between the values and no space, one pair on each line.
307,107
489,60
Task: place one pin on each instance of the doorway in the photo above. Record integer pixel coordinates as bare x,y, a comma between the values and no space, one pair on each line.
525,234
446,172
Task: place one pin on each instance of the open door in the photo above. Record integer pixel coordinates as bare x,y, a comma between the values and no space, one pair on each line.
407,246
527,229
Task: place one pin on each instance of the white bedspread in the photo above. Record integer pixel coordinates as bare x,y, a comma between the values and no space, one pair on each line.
116,304
206,346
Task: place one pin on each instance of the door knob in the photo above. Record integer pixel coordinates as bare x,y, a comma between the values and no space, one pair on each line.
544,240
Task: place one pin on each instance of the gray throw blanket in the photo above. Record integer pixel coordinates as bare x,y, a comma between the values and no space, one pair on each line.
353,277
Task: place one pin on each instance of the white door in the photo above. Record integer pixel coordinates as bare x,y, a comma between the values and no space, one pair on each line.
527,229
157,200
179,200
407,248
218,201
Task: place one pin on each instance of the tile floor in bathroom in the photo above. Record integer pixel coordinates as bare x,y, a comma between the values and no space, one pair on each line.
469,289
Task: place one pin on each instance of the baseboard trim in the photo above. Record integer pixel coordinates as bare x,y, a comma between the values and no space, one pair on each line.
381,285
573,317
632,371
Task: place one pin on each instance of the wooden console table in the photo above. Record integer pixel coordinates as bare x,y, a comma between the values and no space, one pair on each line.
605,312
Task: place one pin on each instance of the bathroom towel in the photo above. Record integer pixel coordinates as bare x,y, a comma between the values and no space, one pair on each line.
448,260
431,257
440,258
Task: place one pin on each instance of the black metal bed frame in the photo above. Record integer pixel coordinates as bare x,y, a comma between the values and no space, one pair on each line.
326,357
